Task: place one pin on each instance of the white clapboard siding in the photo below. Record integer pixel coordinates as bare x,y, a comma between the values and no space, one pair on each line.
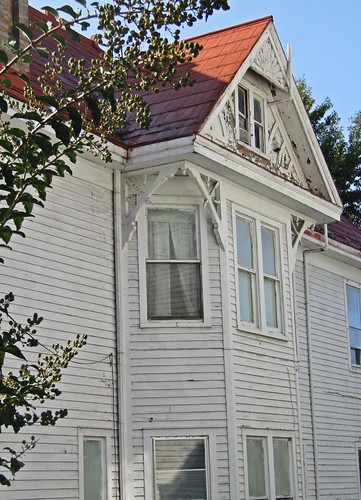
177,375
336,391
264,369
64,270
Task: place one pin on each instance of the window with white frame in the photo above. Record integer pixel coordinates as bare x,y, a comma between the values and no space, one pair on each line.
259,274
180,468
269,468
353,295
93,451
250,118
173,265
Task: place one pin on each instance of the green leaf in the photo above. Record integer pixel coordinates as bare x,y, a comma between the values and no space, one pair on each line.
29,115
44,27
6,233
51,11
73,34
58,38
48,99
81,2
76,121
6,82
7,145
69,10
84,25
27,58
43,52
3,104
94,109
44,143
25,30
4,481
3,57
62,132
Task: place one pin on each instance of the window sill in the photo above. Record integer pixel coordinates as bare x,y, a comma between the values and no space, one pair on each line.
175,324
259,152
355,369
274,335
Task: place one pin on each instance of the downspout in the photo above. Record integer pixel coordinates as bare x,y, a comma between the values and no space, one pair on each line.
310,357
122,346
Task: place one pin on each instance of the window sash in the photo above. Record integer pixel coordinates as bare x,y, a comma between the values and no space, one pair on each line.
93,468
180,468
173,267
258,273
269,468
353,297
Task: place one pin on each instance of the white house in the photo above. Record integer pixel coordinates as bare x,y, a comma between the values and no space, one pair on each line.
223,359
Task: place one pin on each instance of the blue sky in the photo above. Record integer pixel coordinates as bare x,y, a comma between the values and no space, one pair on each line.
324,36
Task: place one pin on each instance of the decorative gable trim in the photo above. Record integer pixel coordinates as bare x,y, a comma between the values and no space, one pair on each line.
267,64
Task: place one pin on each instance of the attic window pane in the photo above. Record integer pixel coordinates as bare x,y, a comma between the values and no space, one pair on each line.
243,115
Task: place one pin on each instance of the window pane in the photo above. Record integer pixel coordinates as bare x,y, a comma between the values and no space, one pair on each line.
256,468
353,307
281,454
244,243
245,296
268,252
257,110
355,337
242,101
174,291
93,488
180,469
172,235
270,295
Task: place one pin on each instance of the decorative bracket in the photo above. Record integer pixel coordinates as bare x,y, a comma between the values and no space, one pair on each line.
209,189
129,224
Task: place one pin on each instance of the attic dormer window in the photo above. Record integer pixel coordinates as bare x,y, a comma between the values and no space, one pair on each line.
250,118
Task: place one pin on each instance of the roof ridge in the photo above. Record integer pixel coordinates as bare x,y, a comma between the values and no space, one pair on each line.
229,28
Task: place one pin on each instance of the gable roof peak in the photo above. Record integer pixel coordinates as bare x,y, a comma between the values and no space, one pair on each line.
261,20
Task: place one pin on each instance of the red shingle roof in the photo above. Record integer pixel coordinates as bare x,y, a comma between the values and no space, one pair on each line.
345,232
181,113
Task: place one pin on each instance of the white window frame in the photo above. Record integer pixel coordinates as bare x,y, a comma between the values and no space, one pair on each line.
358,468
269,436
104,437
201,229
259,325
208,434
249,138
356,286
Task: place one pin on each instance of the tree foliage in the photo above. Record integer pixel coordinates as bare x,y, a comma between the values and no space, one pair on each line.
44,131
342,155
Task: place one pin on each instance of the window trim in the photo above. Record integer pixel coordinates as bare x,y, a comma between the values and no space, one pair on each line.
208,434
259,325
269,436
105,438
251,93
351,284
201,228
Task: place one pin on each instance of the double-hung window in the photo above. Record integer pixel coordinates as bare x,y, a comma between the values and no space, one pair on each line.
354,323
269,468
173,265
258,274
250,118
180,468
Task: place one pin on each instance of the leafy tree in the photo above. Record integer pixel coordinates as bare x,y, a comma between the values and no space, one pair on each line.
342,155
139,49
